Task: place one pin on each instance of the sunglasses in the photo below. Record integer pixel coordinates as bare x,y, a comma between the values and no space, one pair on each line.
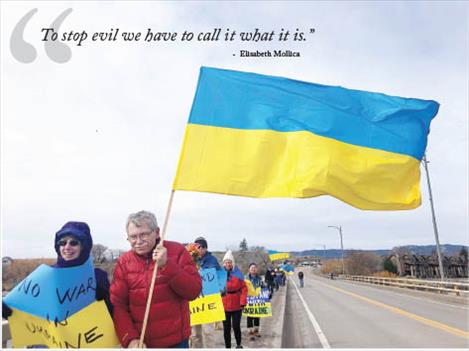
72,242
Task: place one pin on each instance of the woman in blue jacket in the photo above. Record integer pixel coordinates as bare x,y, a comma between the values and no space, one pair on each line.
256,281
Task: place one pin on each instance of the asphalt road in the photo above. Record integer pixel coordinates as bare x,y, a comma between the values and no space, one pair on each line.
342,314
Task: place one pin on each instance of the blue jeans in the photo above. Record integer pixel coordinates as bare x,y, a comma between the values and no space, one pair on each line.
184,344
302,283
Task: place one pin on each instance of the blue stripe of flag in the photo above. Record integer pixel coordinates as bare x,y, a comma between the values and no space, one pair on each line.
233,99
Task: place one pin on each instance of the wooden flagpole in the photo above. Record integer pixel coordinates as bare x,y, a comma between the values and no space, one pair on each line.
153,279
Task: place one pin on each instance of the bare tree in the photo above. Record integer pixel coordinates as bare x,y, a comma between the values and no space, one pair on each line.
261,257
401,251
463,252
257,248
332,266
363,263
97,251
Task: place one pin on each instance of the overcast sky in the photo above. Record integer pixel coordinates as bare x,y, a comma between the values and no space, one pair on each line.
99,137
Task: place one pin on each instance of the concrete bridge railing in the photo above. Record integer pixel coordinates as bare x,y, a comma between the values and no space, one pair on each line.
457,288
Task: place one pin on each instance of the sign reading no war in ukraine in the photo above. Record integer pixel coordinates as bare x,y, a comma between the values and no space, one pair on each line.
208,307
91,327
54,293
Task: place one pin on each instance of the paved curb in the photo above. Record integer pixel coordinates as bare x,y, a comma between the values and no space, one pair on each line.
272,328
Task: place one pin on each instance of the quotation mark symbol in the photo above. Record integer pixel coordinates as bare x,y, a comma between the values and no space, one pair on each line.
21,50
26,53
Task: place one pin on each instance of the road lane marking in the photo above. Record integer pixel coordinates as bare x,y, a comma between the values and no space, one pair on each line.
432,323
314,322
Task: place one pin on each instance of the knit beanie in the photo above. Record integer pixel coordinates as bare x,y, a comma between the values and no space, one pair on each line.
229,256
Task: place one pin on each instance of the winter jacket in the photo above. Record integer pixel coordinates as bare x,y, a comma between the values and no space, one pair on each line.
269,277
236,291
176,284
209,261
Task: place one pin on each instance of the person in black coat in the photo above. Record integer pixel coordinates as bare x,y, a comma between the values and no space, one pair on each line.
269,280
301,278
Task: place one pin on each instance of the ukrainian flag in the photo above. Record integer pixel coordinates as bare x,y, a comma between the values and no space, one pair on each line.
287,268
277,255
263,136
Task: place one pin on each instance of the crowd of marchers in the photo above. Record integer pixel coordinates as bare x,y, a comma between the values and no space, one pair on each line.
177,283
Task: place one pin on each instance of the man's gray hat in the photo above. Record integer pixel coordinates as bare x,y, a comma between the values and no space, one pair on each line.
201,241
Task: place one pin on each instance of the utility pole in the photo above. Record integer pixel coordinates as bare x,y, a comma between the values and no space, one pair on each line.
435,228
339,228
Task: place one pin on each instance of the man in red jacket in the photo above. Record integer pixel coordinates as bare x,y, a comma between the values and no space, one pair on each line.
177,282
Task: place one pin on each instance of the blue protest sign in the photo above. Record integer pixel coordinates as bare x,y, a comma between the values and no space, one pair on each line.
54,293
261,297
209,281
221,275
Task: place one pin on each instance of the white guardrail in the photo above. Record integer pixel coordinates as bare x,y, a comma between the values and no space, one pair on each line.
450,287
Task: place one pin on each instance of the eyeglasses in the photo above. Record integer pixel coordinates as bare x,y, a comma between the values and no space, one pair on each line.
143,236
72,242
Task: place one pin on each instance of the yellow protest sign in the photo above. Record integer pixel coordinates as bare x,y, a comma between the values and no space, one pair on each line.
207,309
91,327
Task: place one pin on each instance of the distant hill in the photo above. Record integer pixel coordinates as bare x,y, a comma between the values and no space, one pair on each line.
447,250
